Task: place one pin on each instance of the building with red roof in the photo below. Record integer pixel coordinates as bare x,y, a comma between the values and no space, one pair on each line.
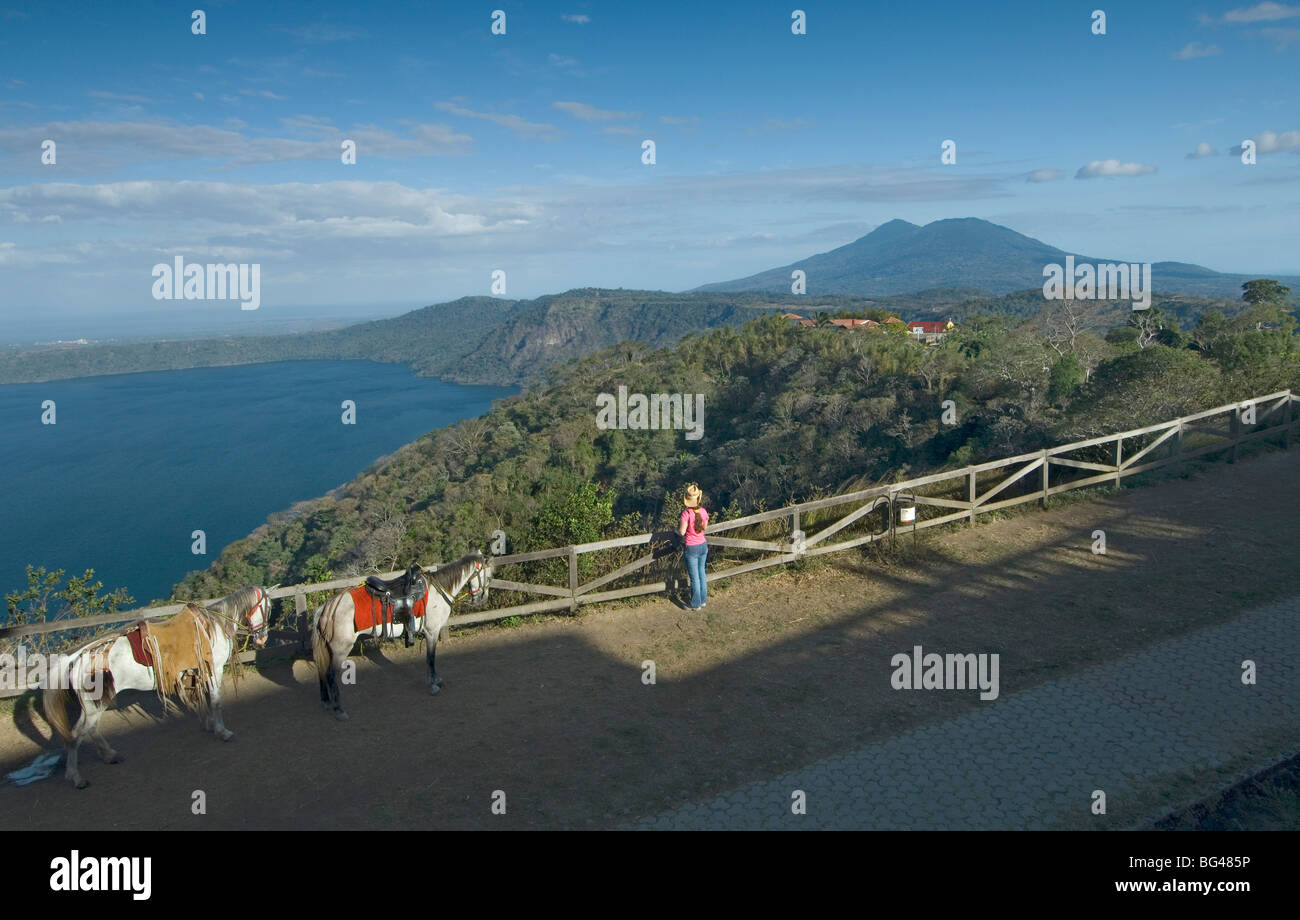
930,331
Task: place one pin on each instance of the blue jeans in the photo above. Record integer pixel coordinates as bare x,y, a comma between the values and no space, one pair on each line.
695,557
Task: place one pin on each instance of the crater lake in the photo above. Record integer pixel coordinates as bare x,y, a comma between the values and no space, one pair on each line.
135,463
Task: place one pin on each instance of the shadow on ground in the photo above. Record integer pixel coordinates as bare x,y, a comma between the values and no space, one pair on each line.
776,673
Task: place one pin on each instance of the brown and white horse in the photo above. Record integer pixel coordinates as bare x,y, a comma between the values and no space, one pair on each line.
335,632
189,651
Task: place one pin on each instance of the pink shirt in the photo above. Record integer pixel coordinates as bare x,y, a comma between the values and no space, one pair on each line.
693,537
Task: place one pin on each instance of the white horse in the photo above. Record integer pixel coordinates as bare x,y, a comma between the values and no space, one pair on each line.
198,640
335,634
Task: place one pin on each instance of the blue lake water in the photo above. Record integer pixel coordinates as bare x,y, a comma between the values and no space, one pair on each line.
137,462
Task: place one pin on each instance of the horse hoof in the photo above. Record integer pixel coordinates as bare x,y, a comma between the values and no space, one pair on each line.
341,715
82,784
227,735
116,758
435,689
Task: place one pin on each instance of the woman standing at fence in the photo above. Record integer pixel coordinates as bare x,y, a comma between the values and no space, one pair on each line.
693,522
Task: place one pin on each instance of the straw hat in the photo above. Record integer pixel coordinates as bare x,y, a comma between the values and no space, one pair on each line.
691,499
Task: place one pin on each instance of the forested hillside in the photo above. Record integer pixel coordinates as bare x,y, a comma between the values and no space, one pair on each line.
486,340
482,340
791,412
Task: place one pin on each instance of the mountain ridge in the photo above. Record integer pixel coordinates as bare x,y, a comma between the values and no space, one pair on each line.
900,257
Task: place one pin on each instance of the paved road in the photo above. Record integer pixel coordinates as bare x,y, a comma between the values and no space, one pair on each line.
1032,759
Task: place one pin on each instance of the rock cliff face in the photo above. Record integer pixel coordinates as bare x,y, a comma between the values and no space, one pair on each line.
556,328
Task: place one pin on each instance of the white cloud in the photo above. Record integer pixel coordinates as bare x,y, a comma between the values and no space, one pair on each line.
322,33
1099,168
513,122
569,65
1202,150
10,254
1262,12
161,140
620,129
1045,175
776,124
343,236
1284,37
288,211
1194,50
100,94
1271,142
308,124
579,18
680,120
264,93
198,96
586,112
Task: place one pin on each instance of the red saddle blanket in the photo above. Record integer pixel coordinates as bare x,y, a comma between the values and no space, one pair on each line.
138,650
368,610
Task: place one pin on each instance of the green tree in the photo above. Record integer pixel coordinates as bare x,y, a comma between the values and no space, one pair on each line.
1150,385
79,598
1264,291
1067,376
576,512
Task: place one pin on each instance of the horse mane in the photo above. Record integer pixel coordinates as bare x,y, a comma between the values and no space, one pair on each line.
235,606
453,574
226,614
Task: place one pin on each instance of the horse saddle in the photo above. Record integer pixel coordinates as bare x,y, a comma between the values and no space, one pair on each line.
138,636
399,597
179,650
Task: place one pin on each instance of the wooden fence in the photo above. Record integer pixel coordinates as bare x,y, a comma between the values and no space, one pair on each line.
955,493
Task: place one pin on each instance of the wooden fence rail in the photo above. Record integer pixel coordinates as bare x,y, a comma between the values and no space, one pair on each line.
793,544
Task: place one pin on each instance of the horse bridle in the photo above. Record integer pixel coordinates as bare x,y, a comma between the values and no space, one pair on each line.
255,621
473,592
258,626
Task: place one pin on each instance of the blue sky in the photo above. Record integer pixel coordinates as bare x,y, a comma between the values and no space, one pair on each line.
522,151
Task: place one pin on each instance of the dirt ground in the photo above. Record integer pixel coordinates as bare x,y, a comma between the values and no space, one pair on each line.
779,670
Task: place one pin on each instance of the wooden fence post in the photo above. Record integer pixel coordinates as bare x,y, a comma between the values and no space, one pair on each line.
304,628
970,521
1119,458
573,579
1286,420
1046,466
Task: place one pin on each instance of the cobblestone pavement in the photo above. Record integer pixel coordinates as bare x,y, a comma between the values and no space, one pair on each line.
1032,759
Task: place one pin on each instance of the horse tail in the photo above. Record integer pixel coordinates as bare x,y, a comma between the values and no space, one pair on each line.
320,649
54,705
